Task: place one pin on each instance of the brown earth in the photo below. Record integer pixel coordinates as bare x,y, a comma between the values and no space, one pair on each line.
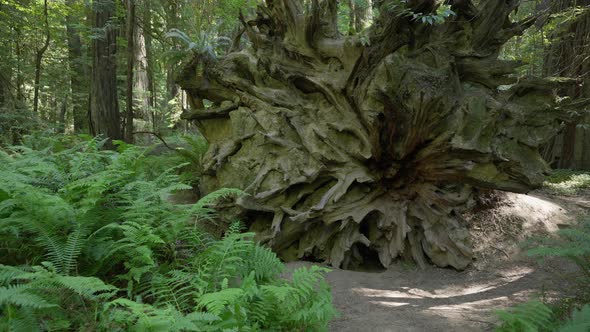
405,298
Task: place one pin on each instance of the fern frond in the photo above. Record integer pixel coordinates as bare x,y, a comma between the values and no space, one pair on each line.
580,321
529,316
216,302
264,263
87,287
20,295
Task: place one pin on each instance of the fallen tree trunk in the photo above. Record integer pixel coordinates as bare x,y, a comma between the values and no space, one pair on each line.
349,150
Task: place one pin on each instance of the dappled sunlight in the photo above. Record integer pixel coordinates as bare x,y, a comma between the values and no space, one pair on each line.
537,212
455,297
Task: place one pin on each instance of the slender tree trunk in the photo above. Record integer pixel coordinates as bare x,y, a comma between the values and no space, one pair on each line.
171,23
62,115
348,150
149,64
130,34
39,58
104,106
79,73
568,56
361,11
19,76
143,82
4,90
351,17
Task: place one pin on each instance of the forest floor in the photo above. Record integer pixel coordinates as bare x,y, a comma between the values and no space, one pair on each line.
406,298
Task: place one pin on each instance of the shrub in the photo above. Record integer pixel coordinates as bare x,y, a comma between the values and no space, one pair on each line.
89,241
573,244
567,182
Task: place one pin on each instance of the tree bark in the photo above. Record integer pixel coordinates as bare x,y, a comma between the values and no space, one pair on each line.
39,58
568,56
350,151
104,106
79,73
19,75
171,23
361,12
130,34
143,84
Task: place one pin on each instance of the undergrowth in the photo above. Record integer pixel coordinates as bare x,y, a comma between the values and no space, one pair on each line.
567,182
571,314
90,242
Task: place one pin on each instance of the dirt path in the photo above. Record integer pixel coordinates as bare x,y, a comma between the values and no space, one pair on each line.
405,298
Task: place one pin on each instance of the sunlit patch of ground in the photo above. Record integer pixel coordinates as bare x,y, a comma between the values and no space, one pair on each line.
409,299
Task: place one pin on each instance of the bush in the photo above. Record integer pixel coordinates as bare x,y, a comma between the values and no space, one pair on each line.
573,244
89,241
567,182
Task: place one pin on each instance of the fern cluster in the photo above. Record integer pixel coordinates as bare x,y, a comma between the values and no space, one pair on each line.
535,316
90,241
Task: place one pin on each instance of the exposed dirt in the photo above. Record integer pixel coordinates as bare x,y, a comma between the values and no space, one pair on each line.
405,298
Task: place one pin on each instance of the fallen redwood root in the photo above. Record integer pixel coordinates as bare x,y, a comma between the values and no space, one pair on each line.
347,148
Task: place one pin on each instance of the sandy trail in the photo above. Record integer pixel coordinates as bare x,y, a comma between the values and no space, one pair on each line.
405,298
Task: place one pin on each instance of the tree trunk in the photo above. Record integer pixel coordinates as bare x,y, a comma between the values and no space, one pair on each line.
350,151
171,86
130,35
351,17
19,75
62,115
104,106
79,72
143,85
38,59
149,63
568,56
361,12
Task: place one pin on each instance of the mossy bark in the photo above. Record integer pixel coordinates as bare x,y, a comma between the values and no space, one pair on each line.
347,149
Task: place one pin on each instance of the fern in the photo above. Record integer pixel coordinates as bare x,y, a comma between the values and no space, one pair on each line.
579,322
528,317
20,295
573,244
90,241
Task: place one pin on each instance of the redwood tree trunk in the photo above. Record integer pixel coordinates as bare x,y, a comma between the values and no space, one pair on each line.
79,74
348,151
38,59
130,34
104,106
568,55
143,84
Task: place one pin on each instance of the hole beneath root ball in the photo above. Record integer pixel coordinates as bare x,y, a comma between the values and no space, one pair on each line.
363,259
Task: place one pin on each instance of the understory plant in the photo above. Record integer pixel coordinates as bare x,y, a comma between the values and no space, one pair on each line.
90,241
570,314
567,182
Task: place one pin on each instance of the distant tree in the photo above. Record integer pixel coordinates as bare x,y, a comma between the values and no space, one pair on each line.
130,34
39,57
569,55
104,105
79,70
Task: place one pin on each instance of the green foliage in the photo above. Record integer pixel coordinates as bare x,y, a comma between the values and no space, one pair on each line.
90,241
530,317
400,8
573,244
567,182
535,316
